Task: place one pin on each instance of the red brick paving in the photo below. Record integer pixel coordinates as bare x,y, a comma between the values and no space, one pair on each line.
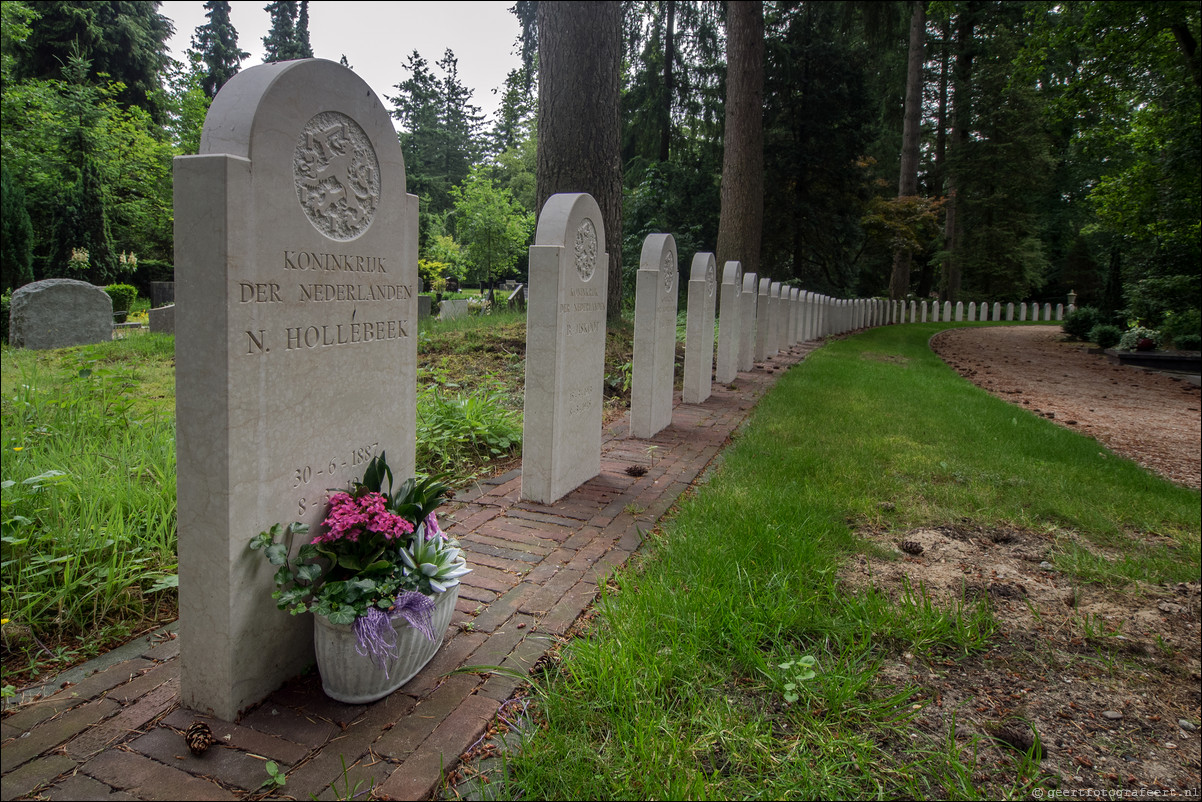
118,734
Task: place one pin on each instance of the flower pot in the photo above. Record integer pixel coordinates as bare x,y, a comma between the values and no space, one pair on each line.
350,677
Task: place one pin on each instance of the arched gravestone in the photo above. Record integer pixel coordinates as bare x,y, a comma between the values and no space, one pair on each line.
565,348
653,370
763,319
699,328
58,313
749,311
296,332
730,324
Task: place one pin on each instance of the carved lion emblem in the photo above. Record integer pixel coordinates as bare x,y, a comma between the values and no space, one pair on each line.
337,175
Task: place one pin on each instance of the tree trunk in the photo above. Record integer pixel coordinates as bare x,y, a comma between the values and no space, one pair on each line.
742,217
907,185
579,52
665,133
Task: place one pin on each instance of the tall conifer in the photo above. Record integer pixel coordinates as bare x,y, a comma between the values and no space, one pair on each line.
217,43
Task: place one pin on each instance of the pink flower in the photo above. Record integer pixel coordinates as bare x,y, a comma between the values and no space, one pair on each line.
349,518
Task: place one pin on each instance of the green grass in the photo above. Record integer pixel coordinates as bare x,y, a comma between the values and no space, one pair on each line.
680,690
88,497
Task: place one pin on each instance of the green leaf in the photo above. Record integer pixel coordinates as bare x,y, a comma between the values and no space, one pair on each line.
277,554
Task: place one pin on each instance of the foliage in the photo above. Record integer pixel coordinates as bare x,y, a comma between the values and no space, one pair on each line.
16,235
123,43
88,495
123,296
494,230
1188,342
216,44
1105,335
440,129
1137,338
1081,321
457,431
376,545
288,38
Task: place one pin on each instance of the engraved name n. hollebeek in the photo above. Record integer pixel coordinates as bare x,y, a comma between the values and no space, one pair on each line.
586,249
337,175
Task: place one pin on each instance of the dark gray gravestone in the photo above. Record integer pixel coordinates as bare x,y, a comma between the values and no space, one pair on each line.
59,312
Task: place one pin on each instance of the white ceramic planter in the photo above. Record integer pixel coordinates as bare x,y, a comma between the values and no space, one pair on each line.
352,678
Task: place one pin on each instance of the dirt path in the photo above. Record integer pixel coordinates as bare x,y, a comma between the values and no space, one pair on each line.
1102,682
1149,417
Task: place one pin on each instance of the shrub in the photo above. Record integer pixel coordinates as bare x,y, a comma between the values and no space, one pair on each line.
1105,336
1132,338
1080,322
1188,342
5,302
123,296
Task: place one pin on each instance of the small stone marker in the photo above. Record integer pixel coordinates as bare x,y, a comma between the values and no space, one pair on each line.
959,311
1022,311
162,320
924,311
452,309
654,360
1047,312
565,348
748,312
947,311
1060,311
997,311
972,311
935,312
729,324
699,329
1010,311
913,311
59,313
296,355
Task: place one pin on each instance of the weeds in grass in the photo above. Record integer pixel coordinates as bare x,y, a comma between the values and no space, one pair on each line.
458,433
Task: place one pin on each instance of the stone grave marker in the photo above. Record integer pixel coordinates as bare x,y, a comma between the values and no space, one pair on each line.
763,322
699,328
749,311
295,267
1060,311
162,320
59,313
453,308
565,348
1010,311
959,311
996,314
774,318
1047,312
729,326
654,360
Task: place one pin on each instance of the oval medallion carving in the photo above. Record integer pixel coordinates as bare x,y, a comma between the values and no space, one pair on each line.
668,269
586,249
711,280
337,175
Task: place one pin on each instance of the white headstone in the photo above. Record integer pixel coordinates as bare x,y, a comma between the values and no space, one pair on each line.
997,311
749,310
947,311
1047,311
654,368
1022,311
935,312
1010,311
699,329
58,313
763,319
729,324
775,318
959,311
924,311
296,332
565,348
1060,311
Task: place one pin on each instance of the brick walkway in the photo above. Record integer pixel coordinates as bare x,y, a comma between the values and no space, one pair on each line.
118,733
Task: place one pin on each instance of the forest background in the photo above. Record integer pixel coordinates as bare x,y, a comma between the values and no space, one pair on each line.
1050,147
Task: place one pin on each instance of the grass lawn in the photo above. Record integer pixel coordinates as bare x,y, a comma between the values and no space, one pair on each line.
734,660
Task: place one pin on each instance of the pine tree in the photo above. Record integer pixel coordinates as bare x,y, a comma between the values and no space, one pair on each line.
280,41
83,224
303,48
126,40
16,234
217,43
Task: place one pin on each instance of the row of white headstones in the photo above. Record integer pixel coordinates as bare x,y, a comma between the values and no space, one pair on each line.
296,346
